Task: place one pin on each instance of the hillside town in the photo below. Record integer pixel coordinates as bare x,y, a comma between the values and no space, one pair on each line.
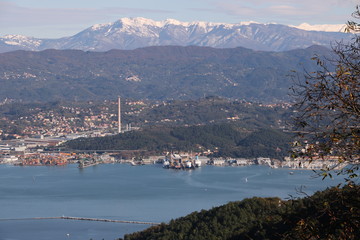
67,120
30,152
39,141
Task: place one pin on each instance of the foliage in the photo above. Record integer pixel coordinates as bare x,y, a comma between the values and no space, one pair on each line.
353,26
331,214
225,140
74,116
211,110
157,73
329,107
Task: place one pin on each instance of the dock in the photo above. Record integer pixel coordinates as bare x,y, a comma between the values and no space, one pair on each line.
85,164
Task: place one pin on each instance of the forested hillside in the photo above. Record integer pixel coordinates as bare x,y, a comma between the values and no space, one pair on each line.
209,110
224,140
331,214
158,73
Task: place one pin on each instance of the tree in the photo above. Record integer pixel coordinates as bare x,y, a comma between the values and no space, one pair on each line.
353,26
328,106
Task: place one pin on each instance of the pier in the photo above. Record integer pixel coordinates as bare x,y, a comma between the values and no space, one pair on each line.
82,219
85,164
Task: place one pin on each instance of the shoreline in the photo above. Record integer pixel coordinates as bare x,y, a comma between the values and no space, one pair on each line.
291,165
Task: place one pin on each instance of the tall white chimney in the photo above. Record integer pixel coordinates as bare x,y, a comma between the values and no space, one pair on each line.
119,115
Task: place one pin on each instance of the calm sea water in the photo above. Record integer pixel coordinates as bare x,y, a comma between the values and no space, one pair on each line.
123,192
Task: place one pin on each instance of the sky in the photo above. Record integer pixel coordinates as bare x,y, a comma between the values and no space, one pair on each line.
62,18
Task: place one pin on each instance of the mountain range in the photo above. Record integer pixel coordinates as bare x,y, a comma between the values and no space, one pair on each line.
132,33
159,73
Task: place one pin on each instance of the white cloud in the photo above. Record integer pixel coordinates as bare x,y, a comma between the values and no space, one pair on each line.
14,15
45,22
16,19
284,10
288,11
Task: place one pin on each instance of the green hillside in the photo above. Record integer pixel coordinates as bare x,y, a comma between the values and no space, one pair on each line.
158,73
224,140
331,214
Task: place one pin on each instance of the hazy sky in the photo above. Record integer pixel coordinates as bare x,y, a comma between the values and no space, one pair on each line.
53,19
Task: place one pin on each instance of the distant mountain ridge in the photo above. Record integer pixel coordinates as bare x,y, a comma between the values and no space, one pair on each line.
132,33
159,73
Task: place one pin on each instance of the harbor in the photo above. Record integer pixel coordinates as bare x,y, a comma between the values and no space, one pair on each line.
144,194
178,161
84,163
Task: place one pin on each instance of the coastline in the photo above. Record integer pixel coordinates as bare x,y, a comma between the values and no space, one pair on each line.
87,160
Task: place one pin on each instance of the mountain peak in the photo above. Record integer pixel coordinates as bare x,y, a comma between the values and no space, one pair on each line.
20,40
171,21
138,21
131,33
322,28
99,26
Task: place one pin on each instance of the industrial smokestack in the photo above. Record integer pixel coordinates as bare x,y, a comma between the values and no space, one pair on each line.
119,115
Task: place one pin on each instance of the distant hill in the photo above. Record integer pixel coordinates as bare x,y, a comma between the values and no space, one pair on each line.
167,114
168,72
131,33
225,140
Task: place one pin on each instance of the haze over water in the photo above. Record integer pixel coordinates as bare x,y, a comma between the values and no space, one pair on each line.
123,192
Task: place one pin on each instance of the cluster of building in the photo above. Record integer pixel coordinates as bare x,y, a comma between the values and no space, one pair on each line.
68,120
329,162
40,159
326,162
273,163
20,155
53,159
51,128
52,124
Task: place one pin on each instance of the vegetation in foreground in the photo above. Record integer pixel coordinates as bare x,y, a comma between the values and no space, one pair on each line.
330,214
328,105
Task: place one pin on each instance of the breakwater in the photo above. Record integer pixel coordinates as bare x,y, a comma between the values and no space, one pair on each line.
82,219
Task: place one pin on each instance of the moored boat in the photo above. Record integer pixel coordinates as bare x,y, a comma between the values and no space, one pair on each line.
197,162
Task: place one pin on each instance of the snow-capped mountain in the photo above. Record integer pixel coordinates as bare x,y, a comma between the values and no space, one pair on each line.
131,33
15,42
322,28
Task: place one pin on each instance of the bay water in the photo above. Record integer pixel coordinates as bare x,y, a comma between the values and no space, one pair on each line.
131,193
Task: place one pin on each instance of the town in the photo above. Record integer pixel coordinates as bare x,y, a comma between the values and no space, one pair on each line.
41,131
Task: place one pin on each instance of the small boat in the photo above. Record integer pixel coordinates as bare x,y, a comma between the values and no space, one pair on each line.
197,162
188,164
177,166
166,164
